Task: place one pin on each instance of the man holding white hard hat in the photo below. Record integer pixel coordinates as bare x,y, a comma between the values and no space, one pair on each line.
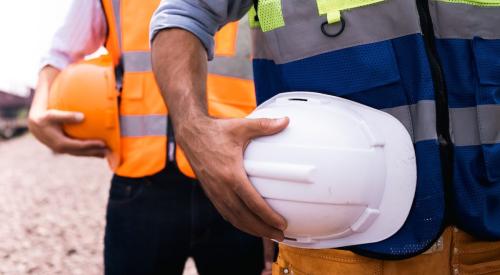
342,174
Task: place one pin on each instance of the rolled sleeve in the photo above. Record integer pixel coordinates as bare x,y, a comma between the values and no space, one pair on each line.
202,18
81,33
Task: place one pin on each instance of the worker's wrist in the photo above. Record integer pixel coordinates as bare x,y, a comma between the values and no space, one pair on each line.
37,110
187,127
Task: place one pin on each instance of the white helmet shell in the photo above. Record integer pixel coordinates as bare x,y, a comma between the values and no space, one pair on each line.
341,173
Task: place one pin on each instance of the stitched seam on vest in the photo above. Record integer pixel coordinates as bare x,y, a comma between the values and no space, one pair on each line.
462,21
484,3
332,258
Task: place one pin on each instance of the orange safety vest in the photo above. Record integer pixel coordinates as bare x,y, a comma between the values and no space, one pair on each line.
143,114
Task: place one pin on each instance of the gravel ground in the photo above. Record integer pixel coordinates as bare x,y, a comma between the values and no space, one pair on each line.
52,211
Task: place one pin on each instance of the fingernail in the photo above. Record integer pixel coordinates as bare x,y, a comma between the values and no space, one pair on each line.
278,238
79,116
280,121
283,226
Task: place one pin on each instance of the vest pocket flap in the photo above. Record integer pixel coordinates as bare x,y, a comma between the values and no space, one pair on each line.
486,53
133,86
346,71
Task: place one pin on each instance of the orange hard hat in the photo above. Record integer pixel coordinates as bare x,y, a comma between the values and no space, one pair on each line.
89,87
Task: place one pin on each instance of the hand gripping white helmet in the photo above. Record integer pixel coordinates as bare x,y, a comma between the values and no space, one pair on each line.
341,173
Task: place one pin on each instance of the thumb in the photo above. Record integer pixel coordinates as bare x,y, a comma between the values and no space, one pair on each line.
58,116
264,126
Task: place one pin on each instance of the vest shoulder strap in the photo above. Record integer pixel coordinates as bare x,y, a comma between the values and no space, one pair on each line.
111,10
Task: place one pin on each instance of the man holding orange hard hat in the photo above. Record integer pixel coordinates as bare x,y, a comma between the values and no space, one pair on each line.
157,215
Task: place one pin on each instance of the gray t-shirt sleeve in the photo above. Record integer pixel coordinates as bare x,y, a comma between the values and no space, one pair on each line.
201,17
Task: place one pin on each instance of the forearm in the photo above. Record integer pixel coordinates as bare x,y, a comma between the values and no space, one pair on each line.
47,125
214,147
180,66
45,79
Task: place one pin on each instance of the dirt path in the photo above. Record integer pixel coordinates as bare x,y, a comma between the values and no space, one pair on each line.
51,211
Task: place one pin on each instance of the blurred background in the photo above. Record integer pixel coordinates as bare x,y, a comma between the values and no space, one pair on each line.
52,207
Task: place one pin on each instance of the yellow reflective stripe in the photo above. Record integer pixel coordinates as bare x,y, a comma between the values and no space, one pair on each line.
270,15
332,8
480,3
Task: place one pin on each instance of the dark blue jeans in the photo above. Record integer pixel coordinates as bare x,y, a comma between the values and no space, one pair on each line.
154,224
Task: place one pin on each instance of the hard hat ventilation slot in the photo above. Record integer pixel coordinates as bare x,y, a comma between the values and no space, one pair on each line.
298,99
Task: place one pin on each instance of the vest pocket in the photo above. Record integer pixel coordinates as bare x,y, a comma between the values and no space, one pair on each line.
487,54
487,61
133,84
349,71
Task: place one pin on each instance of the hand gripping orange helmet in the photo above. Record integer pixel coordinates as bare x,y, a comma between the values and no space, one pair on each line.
89,87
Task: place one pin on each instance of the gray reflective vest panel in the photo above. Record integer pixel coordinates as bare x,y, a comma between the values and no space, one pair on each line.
301,36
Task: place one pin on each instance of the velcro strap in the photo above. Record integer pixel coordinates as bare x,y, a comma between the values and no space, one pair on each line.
332,8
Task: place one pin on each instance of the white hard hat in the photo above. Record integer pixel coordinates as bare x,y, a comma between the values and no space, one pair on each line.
341,173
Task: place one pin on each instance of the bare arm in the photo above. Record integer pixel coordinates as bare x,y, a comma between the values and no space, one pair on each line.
82,32
180,66
45,79
214,147
46,125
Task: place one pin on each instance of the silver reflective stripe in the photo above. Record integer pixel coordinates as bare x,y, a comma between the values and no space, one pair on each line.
419,119
454,20
244,41
118,21
489,123
137,61
134,62
239,66
231,66
143,125
468,126
475,125
302,37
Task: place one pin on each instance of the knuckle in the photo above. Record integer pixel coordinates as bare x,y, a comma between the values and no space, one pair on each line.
264,124
37,120
236,188
49,114
56,148
233,207
227,176
253,206
59,147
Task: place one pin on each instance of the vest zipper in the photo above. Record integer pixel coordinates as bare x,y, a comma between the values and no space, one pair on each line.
256,7
170,142
442,128
441,99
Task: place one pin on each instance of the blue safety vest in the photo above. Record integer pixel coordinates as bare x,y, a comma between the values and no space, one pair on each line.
433,64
